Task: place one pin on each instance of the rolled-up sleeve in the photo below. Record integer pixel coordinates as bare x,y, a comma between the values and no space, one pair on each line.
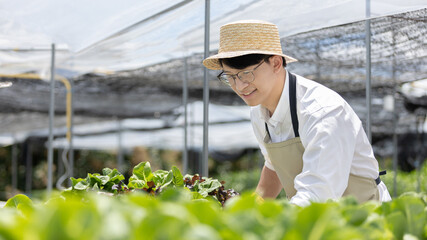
329,138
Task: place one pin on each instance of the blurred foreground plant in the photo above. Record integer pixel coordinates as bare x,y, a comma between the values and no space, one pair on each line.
176,215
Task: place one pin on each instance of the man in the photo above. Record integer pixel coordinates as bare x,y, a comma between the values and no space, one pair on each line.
313,143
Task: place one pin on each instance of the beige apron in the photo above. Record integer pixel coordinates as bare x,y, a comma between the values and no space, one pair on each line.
287,160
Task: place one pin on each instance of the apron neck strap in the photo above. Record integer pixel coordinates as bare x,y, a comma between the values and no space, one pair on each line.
292,104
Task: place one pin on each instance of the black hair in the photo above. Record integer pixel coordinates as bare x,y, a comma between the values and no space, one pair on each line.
245,61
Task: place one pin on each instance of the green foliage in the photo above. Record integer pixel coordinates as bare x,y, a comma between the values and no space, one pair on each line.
187,207
241,181
96,181
18,200
178,180
175,215
154,183
407,181
406,215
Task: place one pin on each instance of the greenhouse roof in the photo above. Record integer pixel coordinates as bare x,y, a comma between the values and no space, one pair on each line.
106,35
147,40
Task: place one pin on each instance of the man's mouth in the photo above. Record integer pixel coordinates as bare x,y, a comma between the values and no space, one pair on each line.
249,93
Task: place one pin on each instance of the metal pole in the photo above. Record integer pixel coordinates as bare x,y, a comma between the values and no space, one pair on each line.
51,118
184,102
192,141
421,118
368,68
120,146
14,166
28,167
60,165
71,148
395,146
395,116
206,94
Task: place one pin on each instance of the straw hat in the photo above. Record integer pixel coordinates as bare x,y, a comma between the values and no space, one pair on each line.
247,37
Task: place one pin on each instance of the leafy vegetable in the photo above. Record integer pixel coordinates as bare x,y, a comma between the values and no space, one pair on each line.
174,215
96,181
153,183
192,207
17,200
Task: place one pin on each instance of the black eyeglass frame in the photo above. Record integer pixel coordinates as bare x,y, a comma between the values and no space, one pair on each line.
233,76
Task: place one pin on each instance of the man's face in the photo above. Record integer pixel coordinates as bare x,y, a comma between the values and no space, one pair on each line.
260,90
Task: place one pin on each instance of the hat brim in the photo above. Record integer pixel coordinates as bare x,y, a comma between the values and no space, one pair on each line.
212,62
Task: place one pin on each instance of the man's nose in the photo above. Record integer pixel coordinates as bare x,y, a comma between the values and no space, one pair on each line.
240,85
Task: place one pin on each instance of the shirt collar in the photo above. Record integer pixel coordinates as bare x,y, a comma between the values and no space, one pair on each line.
282,108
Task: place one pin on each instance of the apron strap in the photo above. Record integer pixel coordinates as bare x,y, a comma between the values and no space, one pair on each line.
292,105
378,180
293,102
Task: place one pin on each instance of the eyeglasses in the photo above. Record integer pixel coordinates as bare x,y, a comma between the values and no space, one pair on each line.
246,76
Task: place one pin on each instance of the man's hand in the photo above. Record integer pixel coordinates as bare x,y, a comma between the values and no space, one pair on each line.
258,198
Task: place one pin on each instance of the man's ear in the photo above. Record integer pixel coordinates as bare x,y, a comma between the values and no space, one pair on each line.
277,63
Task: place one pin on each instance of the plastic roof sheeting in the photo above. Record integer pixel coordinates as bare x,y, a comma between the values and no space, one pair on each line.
30,27
77,23
103,35
294,17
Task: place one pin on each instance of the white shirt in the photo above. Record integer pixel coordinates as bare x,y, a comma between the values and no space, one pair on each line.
332,135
